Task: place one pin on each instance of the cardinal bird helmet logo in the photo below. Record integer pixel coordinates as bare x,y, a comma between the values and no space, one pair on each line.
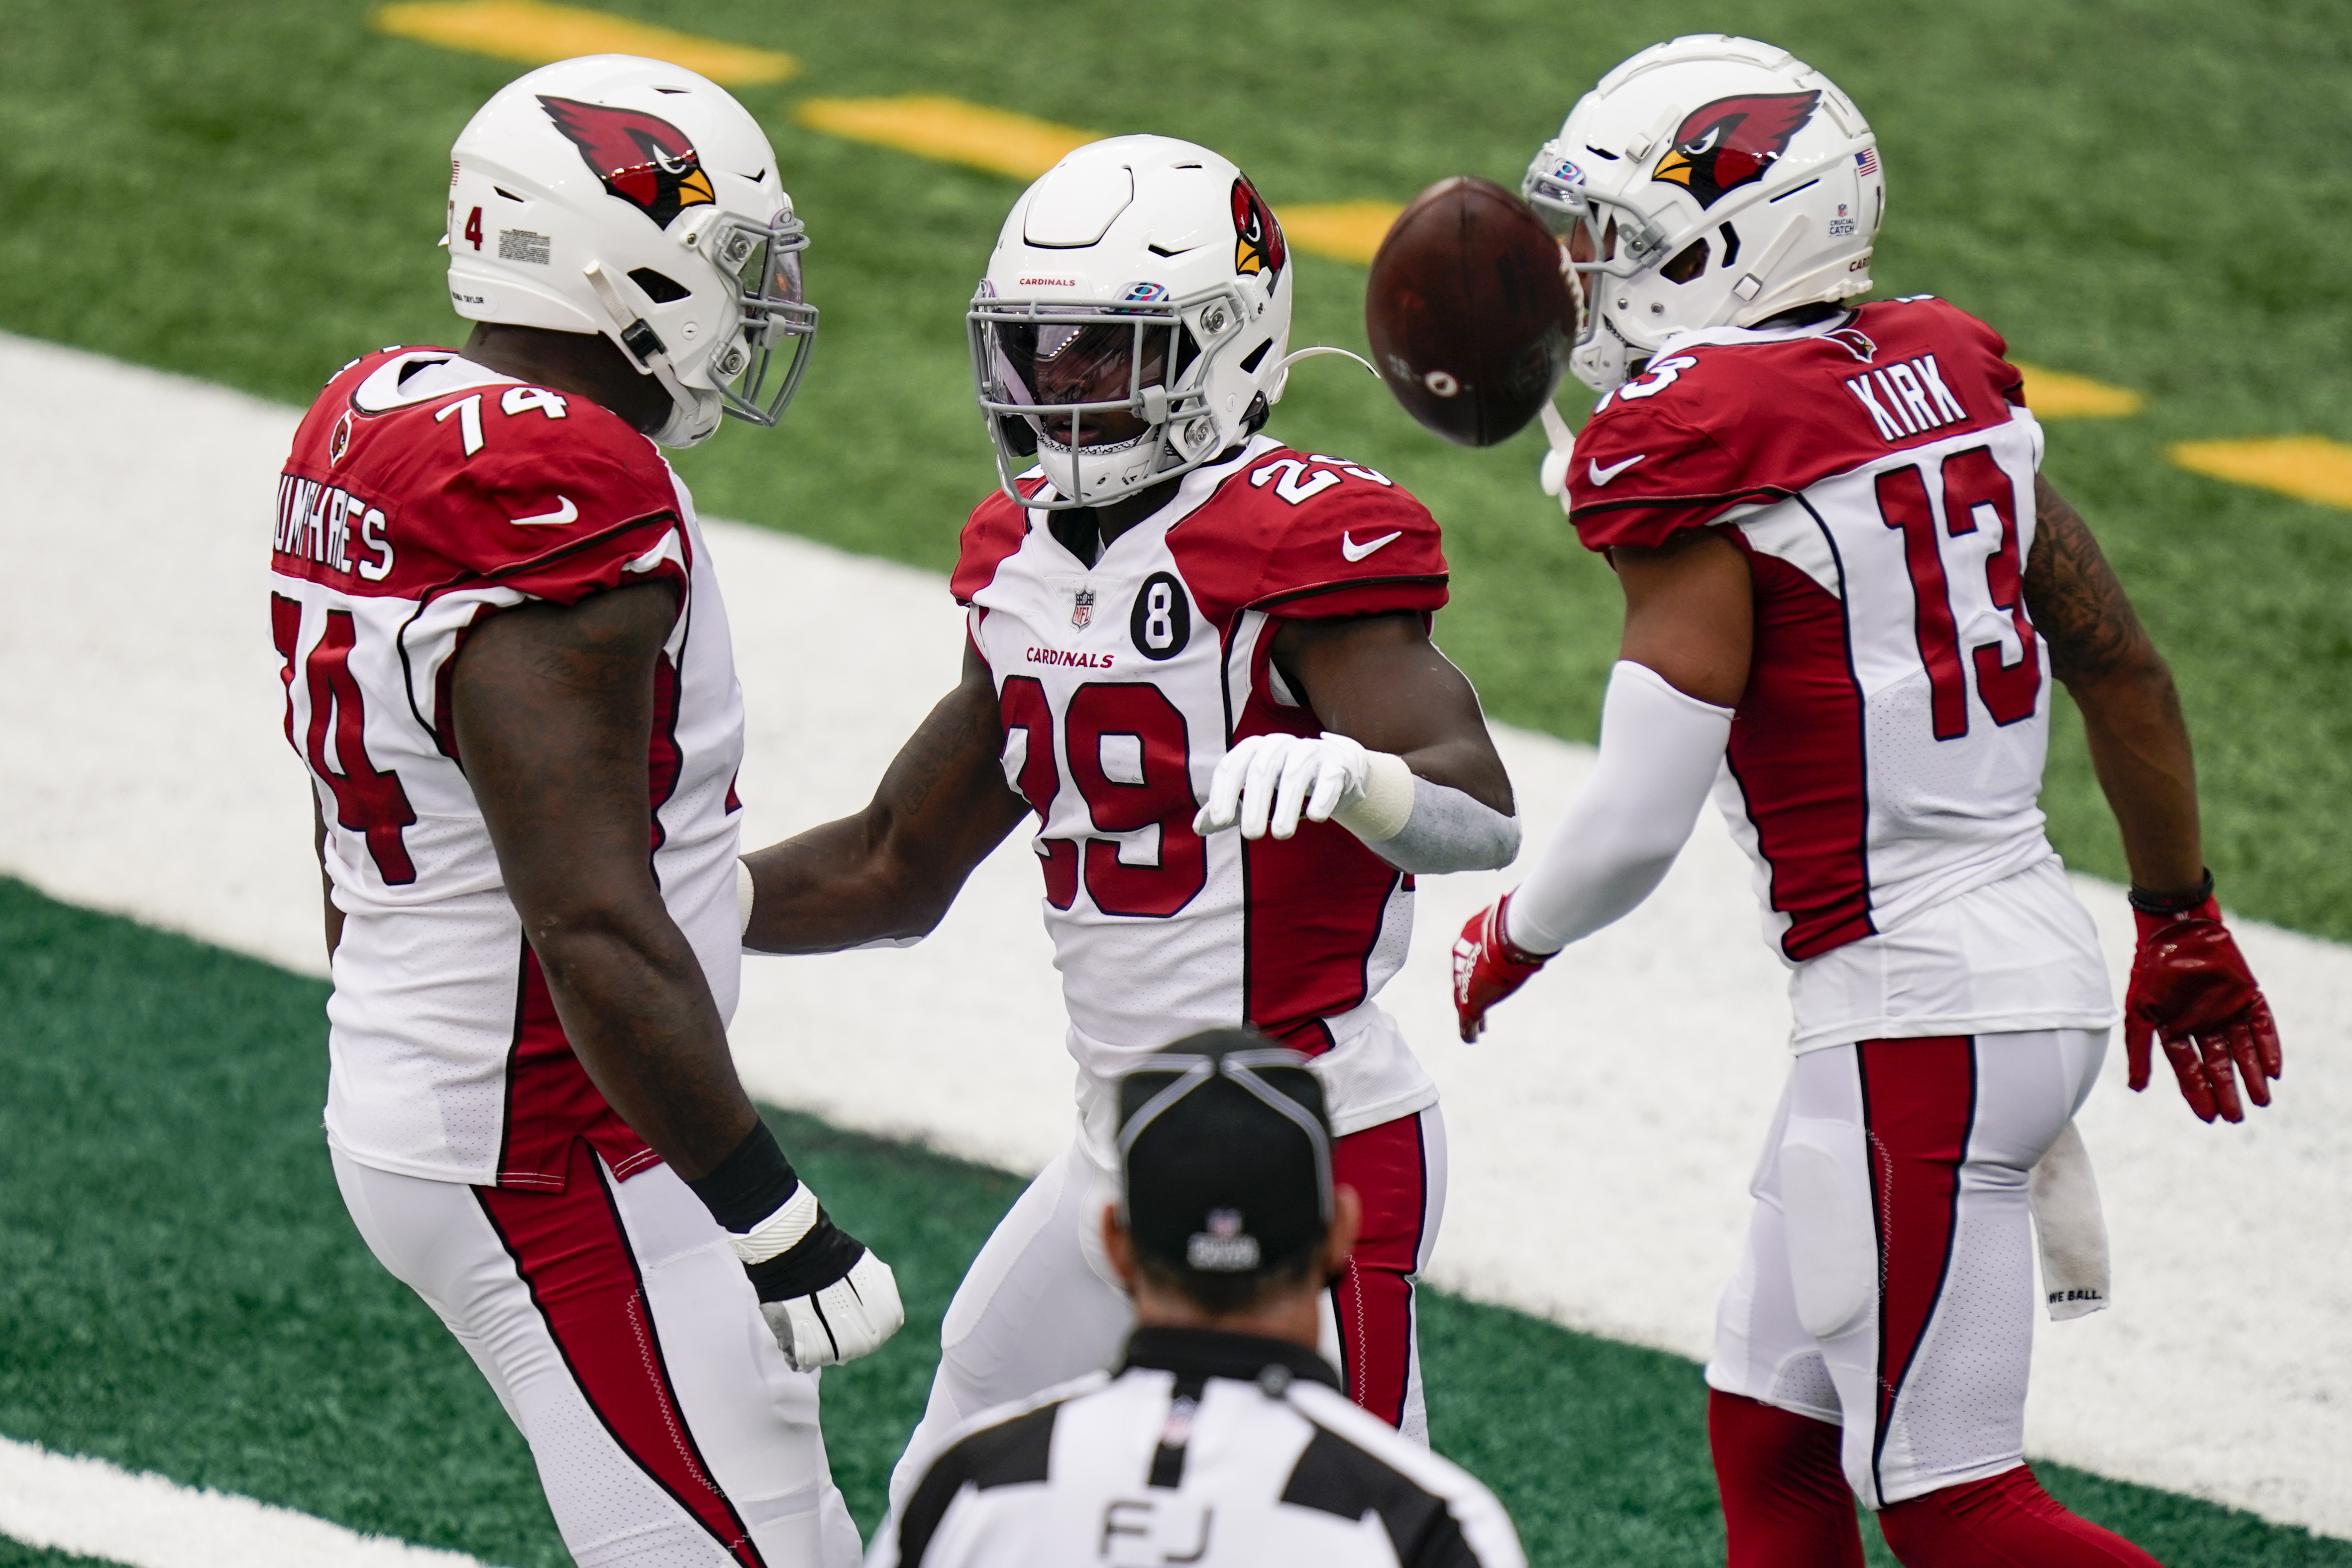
644,161
1732,141
1257,238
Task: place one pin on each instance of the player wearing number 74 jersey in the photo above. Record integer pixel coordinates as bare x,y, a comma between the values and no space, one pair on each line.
1179,627
1847,594
507,664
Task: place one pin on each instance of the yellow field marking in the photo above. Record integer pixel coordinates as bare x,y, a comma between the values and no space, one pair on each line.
2308,467
949,129
2054,394
1344,231
1003,142
535,32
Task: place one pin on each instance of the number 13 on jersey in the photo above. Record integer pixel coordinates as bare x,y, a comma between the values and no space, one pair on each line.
1977,495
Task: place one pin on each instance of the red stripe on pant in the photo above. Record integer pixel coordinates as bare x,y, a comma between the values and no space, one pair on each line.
1918,1102
1387,1166
574,1256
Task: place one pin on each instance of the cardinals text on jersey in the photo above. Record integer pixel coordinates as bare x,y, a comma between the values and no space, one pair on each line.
423,493
1886,757
1122,683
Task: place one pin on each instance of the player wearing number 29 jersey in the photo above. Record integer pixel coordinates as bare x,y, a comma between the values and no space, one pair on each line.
1201,660
1123,682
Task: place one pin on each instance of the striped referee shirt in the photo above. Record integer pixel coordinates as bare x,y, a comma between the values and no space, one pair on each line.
1212,1448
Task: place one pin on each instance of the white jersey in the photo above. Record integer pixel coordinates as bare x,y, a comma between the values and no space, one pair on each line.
422,493
1121,684
1215,1448
1887,758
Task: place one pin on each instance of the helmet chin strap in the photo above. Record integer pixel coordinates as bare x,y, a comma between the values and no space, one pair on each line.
689,425
692,418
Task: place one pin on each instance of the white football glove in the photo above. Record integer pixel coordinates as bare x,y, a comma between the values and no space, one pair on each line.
827,1297
849,1318
1268,782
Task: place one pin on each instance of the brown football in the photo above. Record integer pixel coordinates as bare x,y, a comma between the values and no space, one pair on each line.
1465,308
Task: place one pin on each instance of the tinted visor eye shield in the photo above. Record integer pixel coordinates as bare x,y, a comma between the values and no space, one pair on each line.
1100,382
1225,1157
765,263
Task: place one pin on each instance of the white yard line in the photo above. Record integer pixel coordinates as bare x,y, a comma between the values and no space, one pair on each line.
91,1509
1602,1137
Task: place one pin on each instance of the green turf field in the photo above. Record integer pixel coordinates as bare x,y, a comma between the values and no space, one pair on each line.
2148,192
181,1291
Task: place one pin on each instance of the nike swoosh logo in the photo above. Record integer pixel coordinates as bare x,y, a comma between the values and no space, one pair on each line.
564,513
1600,476
1355,551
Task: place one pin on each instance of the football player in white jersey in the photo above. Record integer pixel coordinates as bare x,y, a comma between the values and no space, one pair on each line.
480,554
1847,592
1178,627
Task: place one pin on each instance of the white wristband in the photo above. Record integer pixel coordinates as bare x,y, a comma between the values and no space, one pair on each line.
1386,804
743,892
781,1231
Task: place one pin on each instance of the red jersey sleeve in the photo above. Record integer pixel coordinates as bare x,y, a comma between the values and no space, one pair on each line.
562,507
994,532
1641,476
1990,349
494,483
1340,538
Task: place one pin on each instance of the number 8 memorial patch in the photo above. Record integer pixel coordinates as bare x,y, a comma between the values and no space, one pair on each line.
1162,622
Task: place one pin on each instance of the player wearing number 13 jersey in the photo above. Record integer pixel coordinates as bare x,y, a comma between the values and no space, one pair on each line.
1178,627
1848,593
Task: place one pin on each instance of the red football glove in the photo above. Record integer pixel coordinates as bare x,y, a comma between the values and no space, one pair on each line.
2191,989
1487,966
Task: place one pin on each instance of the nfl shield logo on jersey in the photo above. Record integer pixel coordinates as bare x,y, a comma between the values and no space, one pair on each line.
1082,607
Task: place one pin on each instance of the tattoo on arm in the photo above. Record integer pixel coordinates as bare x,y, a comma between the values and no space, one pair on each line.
2075,599
2131,710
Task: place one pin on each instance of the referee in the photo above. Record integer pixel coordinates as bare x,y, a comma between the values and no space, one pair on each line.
1223,1440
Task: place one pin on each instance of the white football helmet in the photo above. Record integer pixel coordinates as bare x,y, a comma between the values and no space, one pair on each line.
1134,321
1707,181
637,199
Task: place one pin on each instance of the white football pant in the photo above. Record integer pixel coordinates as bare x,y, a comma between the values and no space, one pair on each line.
1888,1285
625,1341
1040,1305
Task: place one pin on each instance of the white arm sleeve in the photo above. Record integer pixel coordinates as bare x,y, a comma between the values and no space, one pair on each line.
1660,751
1425,828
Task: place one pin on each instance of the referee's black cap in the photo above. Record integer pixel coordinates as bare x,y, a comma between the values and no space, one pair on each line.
1225,1155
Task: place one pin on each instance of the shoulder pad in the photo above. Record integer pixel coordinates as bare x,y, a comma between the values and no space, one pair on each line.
1315,536
992,532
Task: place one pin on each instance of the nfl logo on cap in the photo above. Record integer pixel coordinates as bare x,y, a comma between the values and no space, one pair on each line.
1223,1248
